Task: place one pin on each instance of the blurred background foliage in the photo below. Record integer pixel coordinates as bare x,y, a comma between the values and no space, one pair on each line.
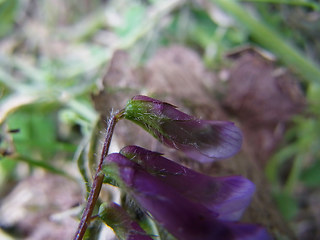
53,54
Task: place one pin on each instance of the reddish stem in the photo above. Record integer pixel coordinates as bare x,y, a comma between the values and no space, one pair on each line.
98,179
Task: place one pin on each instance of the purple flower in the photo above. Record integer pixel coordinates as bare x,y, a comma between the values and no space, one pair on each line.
173,204
226,196
202,140
119,220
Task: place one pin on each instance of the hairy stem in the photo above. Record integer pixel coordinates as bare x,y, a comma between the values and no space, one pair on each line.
98,179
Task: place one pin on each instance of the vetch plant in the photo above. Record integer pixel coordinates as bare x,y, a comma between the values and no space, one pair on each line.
187,204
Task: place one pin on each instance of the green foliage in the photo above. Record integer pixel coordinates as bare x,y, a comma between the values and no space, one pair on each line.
273,41
301,152
37,136
133,18
8,11
36,142
7,167
111,217
286,204
310,176
301,3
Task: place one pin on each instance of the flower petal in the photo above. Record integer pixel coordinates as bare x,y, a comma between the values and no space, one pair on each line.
227,196
183,218
202,140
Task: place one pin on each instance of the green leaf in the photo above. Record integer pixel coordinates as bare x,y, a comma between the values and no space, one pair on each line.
287,205
132,20
8,10
311,176
38,133
122,224
6,170
203,28
111,173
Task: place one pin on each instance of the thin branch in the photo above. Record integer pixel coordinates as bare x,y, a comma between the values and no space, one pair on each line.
98,179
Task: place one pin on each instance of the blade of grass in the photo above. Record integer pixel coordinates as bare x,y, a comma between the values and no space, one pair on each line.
271,40
294,174
83,110
84,158
41,164
9,81
274,164
313,6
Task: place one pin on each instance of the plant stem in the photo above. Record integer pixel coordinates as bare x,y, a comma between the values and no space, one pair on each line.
294,174
40,164
98,179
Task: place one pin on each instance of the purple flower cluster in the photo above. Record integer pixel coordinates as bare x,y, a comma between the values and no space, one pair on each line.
188,204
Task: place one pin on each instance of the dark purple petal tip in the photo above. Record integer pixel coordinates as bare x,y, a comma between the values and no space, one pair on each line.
202,140
146,99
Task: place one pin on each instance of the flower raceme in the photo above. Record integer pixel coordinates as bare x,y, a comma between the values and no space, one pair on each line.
188,204
202,140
